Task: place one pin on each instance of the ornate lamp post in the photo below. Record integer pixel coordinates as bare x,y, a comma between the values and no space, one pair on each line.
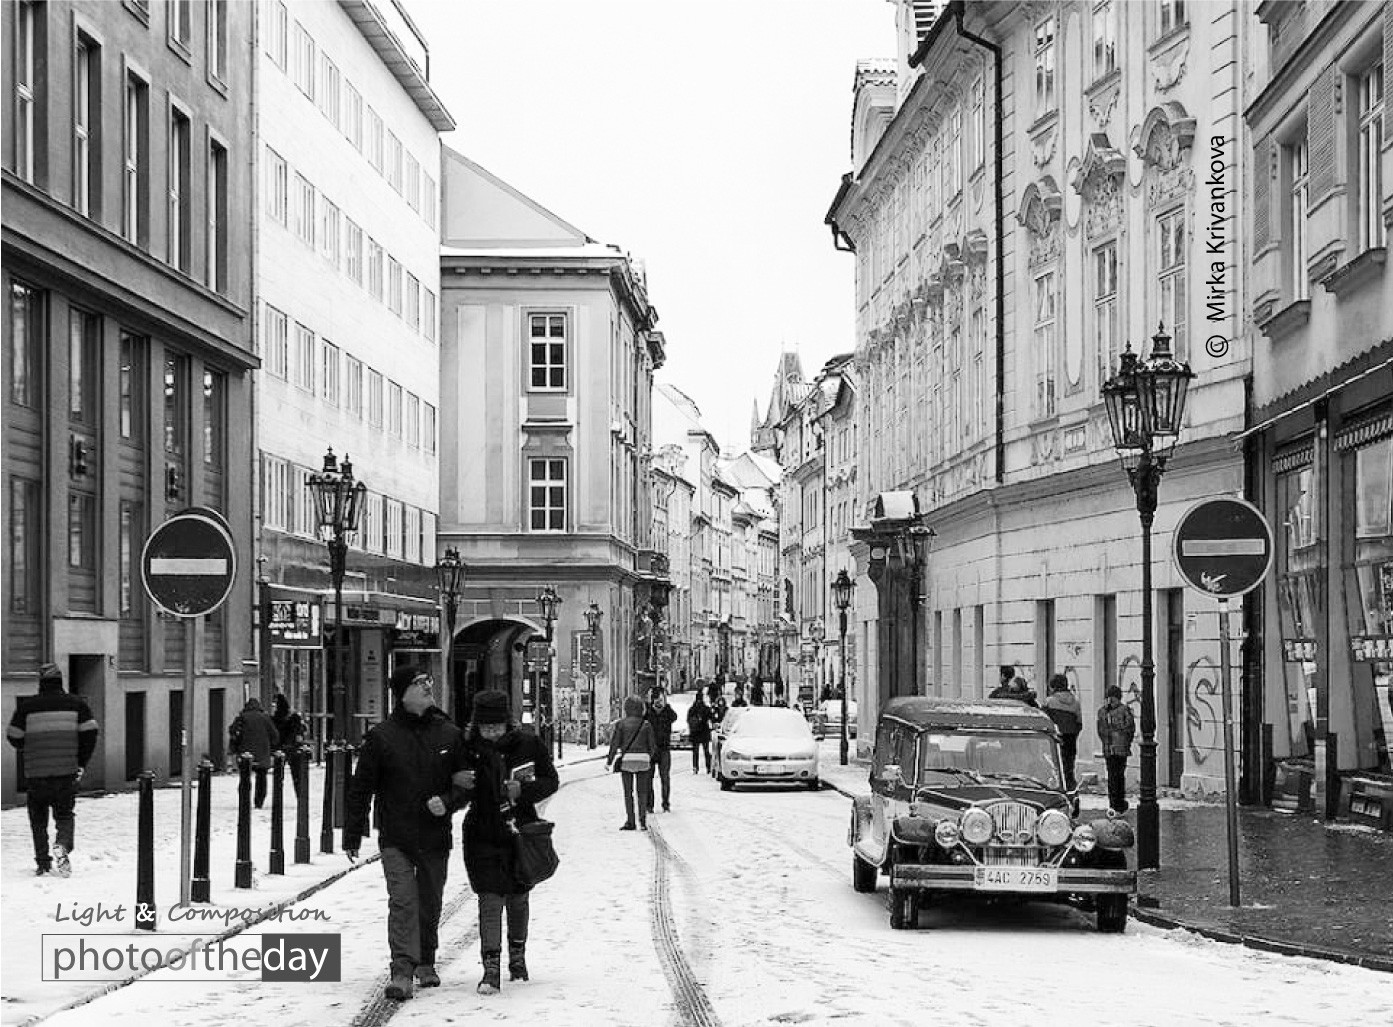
593,616
817,631
659,591
449,576
1146,400
548,601
338,502
842,590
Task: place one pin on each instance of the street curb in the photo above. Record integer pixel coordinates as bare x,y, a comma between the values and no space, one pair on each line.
1252,941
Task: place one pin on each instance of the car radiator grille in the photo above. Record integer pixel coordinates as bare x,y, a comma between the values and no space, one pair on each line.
1013,841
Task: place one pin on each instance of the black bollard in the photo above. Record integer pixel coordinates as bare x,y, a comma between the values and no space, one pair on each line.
276,860
203,825
343,774
145,855
302,805
326,826
243,875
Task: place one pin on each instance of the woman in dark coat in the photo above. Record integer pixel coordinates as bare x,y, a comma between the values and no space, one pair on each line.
510,772
699,731
290,729
632,739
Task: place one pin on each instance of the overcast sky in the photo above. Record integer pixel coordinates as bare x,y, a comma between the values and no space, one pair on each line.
705,137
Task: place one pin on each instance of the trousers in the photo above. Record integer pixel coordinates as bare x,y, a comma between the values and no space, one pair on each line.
662,768
60,795
415,891
643,781
491,919
1117,782
703,746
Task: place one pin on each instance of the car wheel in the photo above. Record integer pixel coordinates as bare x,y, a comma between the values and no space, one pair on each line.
904,908
1112,913
863,874
814,784
726,783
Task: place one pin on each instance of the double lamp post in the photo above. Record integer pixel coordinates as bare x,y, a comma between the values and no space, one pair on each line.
842,589
338,501
547,602
450,573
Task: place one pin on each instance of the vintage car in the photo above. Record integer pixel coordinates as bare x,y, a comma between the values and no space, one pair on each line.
967,797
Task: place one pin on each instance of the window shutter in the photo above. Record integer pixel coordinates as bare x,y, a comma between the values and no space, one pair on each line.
1321,131
1387,63
1262,193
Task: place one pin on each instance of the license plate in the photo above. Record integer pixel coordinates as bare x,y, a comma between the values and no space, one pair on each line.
764,768
1043,879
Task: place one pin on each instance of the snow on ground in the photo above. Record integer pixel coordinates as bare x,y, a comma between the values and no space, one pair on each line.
758,885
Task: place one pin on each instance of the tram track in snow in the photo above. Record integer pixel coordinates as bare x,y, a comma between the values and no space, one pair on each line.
694,1009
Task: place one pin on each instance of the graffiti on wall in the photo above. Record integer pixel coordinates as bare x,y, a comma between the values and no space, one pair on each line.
1203,709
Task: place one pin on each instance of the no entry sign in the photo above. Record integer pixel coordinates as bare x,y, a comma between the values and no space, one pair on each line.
189,563
1223,547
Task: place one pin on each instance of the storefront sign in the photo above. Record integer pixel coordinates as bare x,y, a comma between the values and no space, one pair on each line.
293,623
1298,650
1371,648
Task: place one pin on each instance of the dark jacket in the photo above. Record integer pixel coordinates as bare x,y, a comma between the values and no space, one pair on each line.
290,729
405,761
632,734
54,732
1116,728
662,721
699,723
255,732
1063,708
489,848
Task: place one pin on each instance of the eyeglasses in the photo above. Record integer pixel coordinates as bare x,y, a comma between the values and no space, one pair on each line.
424,680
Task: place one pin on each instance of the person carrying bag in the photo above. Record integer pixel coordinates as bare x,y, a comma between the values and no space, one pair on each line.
631,749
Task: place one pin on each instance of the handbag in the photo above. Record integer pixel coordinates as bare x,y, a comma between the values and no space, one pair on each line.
635,762
536,855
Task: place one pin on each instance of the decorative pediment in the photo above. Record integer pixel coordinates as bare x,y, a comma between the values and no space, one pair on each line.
974,246
1100,160
1041,204
1167,133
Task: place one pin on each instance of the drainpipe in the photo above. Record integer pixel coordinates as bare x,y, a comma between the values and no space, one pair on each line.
999,161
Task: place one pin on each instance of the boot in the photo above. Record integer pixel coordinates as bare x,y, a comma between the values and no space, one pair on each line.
426,976
399,988
517,960
491,983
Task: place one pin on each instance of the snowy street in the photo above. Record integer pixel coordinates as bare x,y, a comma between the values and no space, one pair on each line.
736,908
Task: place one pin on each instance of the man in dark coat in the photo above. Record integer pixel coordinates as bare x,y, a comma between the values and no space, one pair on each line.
1116,729
56,735
405,764
662,717
255,732
1007,677
509,772
290,728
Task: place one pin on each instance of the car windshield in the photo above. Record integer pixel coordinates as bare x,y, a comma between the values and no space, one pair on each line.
681,703
979,756
773,722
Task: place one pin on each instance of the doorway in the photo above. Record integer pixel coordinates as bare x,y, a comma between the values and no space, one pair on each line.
1174,598
85,678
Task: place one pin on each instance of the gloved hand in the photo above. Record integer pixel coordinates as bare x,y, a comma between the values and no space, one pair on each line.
436,805
463,779
513,789
78,776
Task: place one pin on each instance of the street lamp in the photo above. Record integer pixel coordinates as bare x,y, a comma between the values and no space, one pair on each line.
842,589
593,616
449,575
338,502
1145,401
548,601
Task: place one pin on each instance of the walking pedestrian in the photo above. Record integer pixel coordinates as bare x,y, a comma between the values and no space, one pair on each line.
719,709
255,732
699,731
739,698
508,771
55,735
631,747
661,716
1116,729
405,768
290,731
1062,707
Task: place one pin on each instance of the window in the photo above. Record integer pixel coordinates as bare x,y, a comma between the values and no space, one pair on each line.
413,183
1045,300
1044,67
375,140
131,384
428,314
1300,195
130,542
276,40
428,200
1173,314
26,345
371,531
276,347
394,409
375,398
413,301
352,250
353,375
214,419
394,154
136,176
411,535
1172,15
304,210
411,428
27,46
87,172
547,336
374,270
304,61
82,531
329,232
180,193
955,152
392,529
979,124
352,123
275,511
329,374
547,494
216,234
1104,38
1105,333
329,90
394,286
25,537
277,187
428,427
176,404
304,357
1370,186
84,367
217,38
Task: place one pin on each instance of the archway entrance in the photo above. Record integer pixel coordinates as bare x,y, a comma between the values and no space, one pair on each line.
491,654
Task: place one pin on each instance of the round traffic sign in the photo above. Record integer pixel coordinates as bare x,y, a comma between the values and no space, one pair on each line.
1223,547
189,563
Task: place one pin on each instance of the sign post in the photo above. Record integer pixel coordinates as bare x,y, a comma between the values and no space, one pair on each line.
1223,548
187,567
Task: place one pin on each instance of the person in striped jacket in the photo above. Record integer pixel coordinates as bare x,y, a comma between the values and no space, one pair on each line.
56,735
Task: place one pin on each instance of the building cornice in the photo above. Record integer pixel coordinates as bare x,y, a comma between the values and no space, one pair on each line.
410,76
1302,61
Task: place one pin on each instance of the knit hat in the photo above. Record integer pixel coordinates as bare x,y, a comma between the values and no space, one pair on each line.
491,707
402,678
50,672
1113,690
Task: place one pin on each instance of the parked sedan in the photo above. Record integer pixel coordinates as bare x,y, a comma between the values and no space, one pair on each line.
767,744
828,718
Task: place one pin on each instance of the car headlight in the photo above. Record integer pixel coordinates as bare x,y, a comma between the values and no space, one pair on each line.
946,833
733,754
1084,838
977,826
1053,828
